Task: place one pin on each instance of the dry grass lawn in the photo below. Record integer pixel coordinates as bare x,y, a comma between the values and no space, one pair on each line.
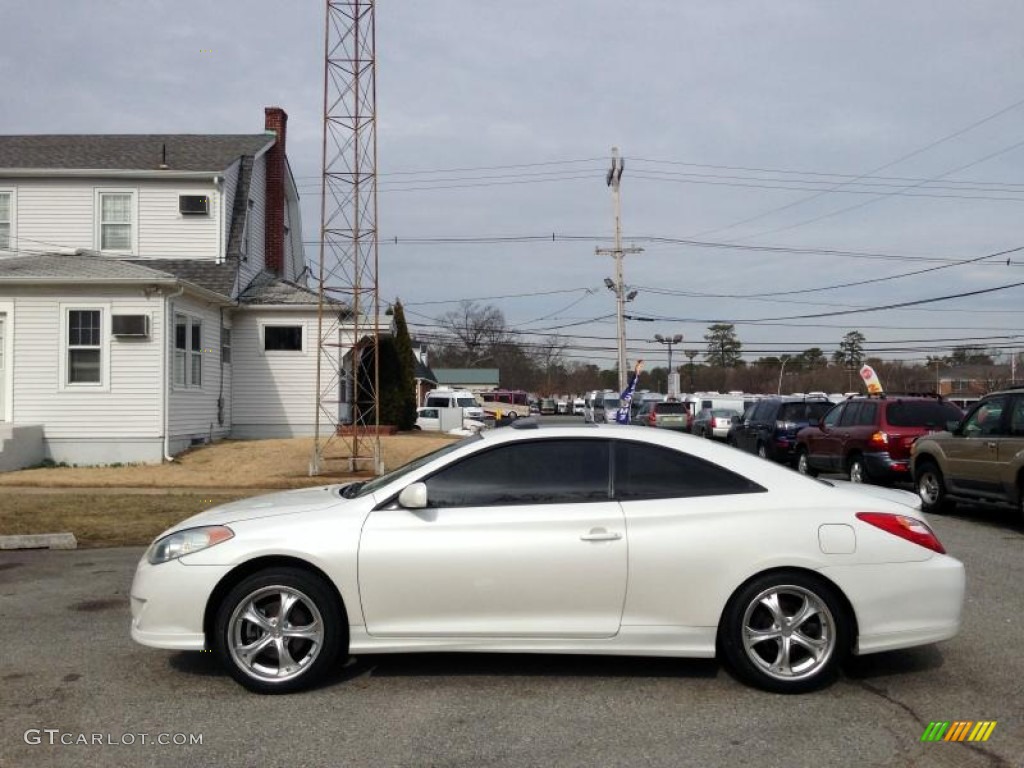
92,502
230,464
102,520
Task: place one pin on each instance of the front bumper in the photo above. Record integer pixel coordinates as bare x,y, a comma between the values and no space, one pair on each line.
168,602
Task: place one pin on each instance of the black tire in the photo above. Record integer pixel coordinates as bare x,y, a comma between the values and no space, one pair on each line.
931,487
786,664
803,463
511,415
857,469
313,610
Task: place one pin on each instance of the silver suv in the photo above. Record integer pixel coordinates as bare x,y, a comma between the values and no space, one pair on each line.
981,458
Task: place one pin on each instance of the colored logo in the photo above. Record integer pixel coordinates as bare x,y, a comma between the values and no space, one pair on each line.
958,730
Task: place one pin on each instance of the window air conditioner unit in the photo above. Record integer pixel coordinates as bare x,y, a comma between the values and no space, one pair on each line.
133,326
193,205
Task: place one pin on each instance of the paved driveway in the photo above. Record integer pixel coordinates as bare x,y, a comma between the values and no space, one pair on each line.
68,665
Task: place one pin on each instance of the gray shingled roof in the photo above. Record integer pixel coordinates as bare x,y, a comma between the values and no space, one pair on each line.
219,278
268,289
184,152
54,267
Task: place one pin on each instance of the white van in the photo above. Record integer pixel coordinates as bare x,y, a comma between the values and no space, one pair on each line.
455,398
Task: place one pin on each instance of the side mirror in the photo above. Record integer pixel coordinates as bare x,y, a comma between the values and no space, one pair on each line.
413,496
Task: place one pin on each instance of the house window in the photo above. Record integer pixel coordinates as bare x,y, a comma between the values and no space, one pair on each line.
6,219
115,221
85,346
282,338
225,345
196,355
188,351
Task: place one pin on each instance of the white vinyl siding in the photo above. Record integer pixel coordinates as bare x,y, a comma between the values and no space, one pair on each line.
55,214
274,393
7,219
253,262
126,406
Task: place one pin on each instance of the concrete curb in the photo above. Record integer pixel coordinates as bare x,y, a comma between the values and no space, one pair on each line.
39,541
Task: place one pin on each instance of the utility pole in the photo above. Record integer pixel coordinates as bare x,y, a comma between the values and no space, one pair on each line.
618,287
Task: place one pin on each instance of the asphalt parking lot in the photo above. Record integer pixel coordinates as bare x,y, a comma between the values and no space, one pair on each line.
69,672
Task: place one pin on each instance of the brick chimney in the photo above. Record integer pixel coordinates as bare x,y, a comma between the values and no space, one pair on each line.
276,121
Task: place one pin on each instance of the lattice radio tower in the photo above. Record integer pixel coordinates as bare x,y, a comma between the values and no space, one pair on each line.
347,388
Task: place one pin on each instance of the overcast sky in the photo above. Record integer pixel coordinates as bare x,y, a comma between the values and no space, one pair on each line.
854,140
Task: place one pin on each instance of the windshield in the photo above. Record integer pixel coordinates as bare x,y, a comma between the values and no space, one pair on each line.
611,403
361,489
922,413
467,402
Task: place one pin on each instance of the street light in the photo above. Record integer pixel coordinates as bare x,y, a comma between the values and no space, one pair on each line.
669,341
785,359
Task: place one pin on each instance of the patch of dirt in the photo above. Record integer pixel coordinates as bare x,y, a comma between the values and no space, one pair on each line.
233,464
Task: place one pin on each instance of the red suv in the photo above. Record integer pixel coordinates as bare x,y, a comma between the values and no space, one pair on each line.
869,437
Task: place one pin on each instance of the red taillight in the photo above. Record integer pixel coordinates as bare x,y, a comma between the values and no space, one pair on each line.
909,528
652,419
879,439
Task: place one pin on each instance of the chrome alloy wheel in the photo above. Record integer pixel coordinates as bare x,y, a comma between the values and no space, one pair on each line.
857,471
275,633
929,488
788,633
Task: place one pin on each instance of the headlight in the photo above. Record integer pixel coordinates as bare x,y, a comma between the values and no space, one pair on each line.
186,542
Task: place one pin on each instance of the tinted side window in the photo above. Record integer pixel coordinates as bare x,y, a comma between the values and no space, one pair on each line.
832,417
851,414
541,472
652,472
866,417
921,413
987,417
762,411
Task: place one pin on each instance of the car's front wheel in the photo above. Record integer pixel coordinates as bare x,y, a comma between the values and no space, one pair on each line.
931,487
786,632
279,630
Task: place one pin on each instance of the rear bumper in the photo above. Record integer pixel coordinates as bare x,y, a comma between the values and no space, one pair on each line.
901,605
882,466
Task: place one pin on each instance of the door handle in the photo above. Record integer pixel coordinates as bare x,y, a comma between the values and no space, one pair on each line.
991,445
600,534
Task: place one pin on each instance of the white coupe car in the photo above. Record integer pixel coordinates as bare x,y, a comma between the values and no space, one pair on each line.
595,539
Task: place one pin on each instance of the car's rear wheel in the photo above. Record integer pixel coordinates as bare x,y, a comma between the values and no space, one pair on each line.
803,464
511,415
931,487
786,632
279,630
858,472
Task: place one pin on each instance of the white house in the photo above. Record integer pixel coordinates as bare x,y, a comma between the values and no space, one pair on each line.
152,296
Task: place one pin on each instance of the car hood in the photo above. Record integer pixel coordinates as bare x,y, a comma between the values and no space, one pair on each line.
893,495
268,505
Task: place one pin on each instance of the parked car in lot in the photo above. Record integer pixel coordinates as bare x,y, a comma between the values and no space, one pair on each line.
608,539
714,422
666,414
869,437
981,458
429,420
770,428
548,406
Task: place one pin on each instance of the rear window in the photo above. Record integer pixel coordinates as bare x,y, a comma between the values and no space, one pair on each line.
723,413
921,413
808,412
670,408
